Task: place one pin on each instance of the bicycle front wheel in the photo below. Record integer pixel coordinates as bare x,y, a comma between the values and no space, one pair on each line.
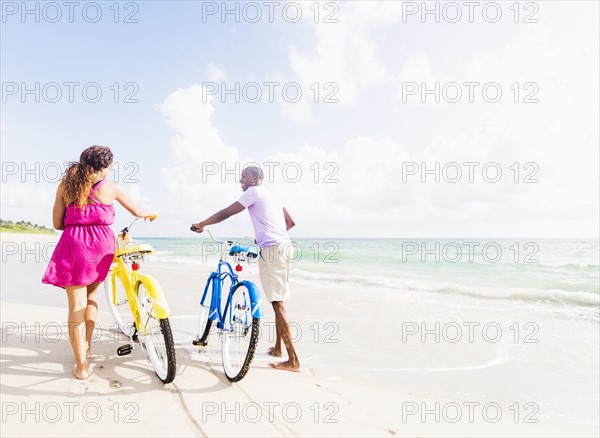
157,337
240,334
119,304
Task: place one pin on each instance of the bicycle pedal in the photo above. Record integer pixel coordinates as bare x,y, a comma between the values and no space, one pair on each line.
124,350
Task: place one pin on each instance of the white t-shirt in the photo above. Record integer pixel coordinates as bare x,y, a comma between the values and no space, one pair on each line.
266,212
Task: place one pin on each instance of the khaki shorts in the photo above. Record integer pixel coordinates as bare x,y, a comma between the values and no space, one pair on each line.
274,270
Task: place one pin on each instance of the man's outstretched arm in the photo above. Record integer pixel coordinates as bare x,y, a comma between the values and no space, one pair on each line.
219,216
289,222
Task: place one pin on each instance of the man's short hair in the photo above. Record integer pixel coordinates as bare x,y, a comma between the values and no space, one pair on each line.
254,171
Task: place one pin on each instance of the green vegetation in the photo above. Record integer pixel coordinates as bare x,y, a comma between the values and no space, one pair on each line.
24,227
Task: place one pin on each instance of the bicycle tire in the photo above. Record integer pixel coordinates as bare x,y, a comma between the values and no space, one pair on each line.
240,335
157,338
120,310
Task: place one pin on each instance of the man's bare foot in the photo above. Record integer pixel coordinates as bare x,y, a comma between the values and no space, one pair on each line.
82,372
286,366
273,352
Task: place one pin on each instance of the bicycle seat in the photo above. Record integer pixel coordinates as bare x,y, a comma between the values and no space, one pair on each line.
133,247
238,249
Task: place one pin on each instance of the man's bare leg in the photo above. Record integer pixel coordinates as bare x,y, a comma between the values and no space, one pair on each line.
274,352
283,328
276,349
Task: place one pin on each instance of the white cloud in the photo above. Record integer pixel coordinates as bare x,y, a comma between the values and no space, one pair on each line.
344,53
332,188
187,112
417,68
215,73
299,111
559,135
366,195
341,191
29,202
200,156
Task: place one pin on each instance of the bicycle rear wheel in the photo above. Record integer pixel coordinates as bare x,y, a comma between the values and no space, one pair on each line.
157,338
240,334
119,308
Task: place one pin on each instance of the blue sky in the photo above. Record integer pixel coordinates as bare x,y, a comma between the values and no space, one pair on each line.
175,130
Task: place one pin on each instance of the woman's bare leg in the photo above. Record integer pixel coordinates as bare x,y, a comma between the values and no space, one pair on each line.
91,313
77,296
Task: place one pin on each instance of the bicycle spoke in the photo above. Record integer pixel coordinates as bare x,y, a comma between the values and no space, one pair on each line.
240,335
119,308
158,338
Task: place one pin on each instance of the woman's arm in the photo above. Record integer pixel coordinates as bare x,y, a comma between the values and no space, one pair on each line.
123,198
58,211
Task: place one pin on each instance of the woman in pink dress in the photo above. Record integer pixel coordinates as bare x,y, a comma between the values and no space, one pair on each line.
82,258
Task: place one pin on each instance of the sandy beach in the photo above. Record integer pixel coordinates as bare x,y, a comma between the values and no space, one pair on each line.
372,365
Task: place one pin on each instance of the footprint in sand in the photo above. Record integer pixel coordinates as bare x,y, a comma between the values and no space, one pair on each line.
113,383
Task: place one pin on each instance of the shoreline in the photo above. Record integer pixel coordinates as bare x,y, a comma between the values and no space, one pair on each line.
575,304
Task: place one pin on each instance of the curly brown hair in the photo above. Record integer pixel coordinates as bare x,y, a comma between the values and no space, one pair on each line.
78,179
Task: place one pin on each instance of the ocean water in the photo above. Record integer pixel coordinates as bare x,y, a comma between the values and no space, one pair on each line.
552,271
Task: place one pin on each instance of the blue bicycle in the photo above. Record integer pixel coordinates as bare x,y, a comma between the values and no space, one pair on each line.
238,321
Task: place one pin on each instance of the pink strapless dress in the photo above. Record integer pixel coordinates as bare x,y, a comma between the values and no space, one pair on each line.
86,247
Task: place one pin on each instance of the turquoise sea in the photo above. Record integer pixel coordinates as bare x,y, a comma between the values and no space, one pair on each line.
563,272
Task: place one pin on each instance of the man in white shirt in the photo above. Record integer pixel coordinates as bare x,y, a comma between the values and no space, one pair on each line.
271,222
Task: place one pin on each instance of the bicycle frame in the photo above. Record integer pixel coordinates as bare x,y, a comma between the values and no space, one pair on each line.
216,279
130,280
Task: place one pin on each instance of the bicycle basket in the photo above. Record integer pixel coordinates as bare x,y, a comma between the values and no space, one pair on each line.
123,239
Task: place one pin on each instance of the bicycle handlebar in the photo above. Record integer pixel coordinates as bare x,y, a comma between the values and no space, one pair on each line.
221,242
193,228
213,237
126,229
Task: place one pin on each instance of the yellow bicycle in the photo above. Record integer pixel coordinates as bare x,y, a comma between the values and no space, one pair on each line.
139,306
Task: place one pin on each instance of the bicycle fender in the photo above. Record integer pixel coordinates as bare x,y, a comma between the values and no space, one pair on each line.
159,301
255,299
